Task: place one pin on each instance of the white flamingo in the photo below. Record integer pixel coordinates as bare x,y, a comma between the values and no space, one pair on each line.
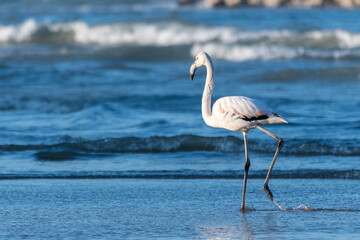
239,114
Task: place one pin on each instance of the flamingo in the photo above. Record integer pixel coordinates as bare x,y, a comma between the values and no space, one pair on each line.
237,113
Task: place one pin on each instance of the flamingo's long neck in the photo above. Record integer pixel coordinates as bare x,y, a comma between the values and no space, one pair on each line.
206,98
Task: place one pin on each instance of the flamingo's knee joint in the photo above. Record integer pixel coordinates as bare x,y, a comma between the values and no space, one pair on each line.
247,165
281,142
268,192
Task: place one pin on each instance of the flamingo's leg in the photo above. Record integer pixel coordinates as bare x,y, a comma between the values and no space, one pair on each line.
280,144
246,170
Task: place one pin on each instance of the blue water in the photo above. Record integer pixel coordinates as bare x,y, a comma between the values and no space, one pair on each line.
101,90
176,209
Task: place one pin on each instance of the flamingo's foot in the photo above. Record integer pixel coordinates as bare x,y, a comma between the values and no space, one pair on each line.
271,197
244,209
279,206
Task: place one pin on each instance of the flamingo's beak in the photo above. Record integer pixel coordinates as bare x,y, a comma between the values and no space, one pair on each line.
192,71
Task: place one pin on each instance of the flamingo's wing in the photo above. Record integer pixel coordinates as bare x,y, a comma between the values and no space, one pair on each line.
243,107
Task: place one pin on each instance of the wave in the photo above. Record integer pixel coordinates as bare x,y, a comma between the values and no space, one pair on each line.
262,52
18,33
170,34
184,143
222,42
186,174
145,34
43,104
62,103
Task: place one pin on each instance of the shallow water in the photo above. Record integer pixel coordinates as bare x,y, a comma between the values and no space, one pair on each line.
175,209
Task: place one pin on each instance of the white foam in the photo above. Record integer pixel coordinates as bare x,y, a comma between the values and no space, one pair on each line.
304,208
158,34
172,33
145,34
18,33
222,42
246,53
338,38
240,53
347,39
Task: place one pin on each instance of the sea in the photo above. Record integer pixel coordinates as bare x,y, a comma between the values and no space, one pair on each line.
101,133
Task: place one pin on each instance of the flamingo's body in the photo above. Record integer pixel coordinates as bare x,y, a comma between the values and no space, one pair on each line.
236,113
242,114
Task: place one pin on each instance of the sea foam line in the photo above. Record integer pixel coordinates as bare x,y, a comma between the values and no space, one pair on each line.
222,42
240,53
176,33
18,33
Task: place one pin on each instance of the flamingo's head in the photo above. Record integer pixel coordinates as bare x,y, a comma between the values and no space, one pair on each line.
200,61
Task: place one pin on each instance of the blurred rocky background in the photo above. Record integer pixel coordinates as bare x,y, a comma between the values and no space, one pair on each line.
278,3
